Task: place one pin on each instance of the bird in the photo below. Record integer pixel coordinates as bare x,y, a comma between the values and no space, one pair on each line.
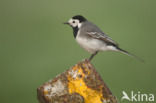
92,38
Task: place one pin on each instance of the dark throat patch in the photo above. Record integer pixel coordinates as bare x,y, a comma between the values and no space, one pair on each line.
75,31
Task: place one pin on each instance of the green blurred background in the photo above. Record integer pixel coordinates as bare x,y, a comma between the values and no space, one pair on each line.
35,46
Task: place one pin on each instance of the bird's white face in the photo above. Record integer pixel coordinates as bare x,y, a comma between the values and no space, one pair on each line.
74,23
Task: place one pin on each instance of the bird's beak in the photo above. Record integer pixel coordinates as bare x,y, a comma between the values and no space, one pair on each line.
66,23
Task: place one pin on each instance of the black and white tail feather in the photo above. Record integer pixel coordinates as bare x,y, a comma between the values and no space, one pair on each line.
129,54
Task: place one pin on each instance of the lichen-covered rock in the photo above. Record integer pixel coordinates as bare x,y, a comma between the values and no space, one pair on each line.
79,84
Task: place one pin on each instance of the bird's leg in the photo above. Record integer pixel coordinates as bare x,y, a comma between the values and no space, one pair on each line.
91,57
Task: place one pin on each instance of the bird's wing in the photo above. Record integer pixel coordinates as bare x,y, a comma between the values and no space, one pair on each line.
102,36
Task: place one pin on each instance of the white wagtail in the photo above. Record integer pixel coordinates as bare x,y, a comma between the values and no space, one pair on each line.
91,38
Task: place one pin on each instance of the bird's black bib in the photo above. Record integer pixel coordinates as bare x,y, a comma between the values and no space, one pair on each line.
75,31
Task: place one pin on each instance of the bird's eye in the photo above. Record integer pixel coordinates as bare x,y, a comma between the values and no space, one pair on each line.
73,21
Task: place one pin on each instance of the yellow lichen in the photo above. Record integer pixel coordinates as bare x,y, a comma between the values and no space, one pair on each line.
45,92
76,84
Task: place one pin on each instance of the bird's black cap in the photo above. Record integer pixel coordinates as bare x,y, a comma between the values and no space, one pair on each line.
80,18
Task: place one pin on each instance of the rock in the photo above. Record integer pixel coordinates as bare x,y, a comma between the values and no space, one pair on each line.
79,84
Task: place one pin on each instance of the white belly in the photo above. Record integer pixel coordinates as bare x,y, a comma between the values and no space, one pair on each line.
92,45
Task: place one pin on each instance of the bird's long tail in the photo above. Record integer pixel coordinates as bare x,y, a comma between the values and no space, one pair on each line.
129,54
